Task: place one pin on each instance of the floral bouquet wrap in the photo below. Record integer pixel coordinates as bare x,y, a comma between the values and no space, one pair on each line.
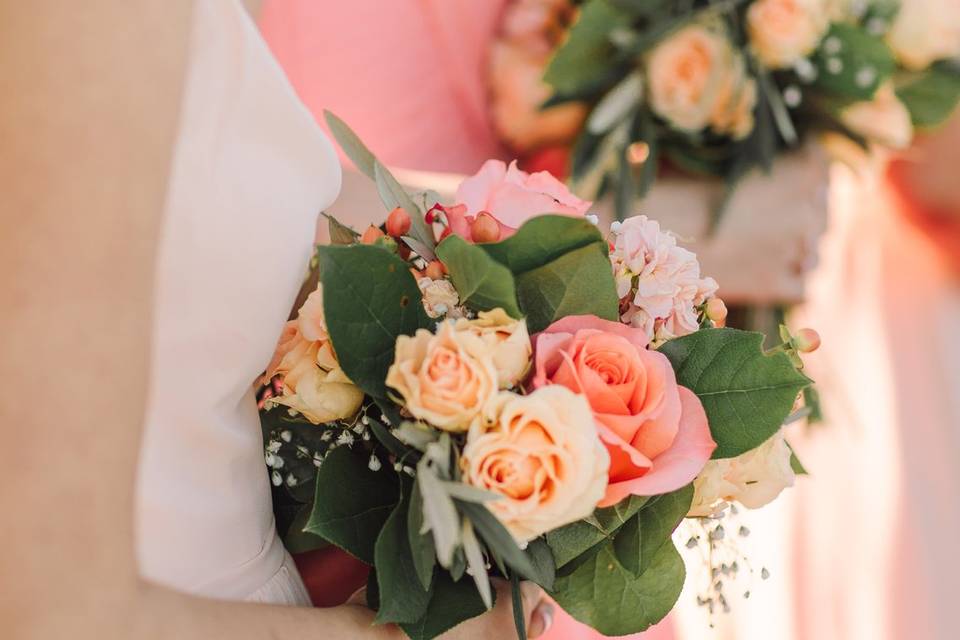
716,87
497,388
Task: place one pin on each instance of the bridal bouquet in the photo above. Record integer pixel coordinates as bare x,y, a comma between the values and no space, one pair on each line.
496,388
717,87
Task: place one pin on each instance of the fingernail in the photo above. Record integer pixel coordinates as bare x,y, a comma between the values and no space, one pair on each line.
541,620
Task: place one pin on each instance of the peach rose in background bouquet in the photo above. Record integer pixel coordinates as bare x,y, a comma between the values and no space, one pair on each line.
529,398
722,89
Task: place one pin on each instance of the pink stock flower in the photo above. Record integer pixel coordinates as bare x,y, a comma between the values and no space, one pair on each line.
658,282
655,430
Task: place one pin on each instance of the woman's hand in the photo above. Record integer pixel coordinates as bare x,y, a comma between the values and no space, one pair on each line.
498,622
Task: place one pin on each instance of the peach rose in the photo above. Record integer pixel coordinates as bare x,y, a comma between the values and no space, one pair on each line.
696,80
508,341
655,430
884,120
445,379
782,32
313,382
541,454
753,479
925,31
511,197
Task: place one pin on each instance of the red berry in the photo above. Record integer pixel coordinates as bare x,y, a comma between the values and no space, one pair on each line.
398,223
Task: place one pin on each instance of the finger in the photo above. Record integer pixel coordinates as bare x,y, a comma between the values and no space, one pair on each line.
541,619
359,597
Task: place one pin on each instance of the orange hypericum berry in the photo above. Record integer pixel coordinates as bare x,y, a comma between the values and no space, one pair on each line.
485,228
398,223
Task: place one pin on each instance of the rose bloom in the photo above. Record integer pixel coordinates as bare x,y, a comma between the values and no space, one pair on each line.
658,283
925,31
446,378
753,479
655,430
782,32
313,382
508,341
511,197
440,299
696,80
884,120
540,453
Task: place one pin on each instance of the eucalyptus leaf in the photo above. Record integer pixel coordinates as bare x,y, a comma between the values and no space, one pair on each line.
607,597
369,298
393,195
478,569
467,493
498,539
416,435
616,105
795,463
351,144
746,394
402,595
482,283
439,513
352,503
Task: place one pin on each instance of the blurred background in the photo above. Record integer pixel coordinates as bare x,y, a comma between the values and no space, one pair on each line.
861,242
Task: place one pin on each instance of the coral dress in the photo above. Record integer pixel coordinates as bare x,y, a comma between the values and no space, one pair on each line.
409,77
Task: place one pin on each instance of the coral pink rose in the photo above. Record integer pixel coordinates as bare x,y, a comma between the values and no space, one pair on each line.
655,430
511,197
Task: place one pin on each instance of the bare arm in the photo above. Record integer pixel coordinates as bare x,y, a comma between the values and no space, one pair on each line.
89,101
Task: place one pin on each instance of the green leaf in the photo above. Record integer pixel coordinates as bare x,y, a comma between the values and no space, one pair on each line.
339,232
473,552
482,283
541,240
561,268
747,394
297,539
585,56
639,540
498,539
859,50
541,557
393,195
402,595
932,96
607,597
352,503
369,298
423,550
451,603
571,541
577,283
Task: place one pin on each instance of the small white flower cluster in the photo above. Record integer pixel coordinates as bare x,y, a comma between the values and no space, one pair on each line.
658,282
